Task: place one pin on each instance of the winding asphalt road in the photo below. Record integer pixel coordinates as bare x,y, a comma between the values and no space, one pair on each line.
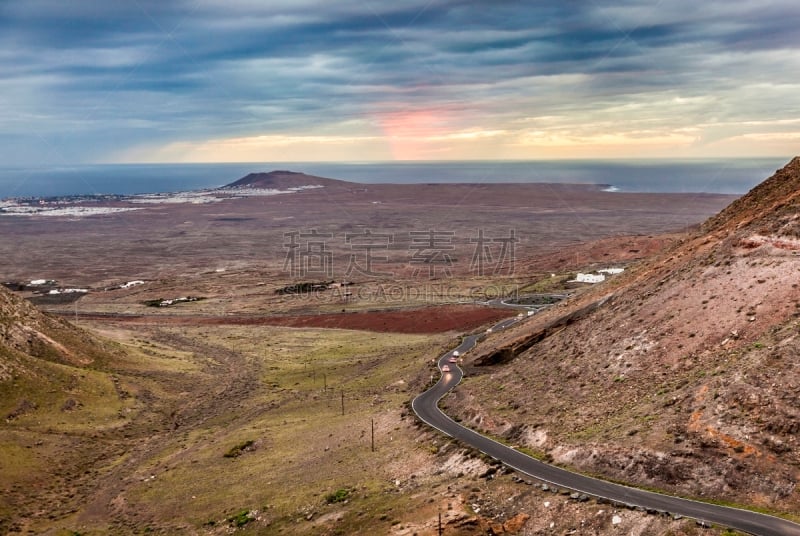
426,406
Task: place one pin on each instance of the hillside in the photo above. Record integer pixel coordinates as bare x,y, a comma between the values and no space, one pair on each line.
283,180
53,396
25,330
40,358
680,374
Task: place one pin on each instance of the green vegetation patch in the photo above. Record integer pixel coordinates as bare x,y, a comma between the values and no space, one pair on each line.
241,518
340,495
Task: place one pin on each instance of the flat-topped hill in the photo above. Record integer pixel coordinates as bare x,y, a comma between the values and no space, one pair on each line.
282,180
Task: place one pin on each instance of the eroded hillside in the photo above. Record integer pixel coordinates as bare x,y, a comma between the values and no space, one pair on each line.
682,374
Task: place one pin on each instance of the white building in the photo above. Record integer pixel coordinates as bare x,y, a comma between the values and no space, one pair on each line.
589,278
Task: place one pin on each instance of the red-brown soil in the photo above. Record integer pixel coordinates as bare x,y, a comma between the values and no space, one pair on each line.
437,319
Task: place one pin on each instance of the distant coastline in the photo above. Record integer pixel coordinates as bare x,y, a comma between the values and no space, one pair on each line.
728,176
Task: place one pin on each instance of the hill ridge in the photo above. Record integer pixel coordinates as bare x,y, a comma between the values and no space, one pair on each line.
777,191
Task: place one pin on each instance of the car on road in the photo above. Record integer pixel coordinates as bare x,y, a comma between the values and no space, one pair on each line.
445,368
453,359
455,353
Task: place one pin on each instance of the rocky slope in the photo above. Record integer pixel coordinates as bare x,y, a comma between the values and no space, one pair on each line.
27,335
681,374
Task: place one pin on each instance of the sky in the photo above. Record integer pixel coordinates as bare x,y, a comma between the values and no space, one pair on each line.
99,81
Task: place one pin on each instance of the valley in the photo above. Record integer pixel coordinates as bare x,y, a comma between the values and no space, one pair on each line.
251,409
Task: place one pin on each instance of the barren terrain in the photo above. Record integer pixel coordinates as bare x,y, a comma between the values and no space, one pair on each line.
680,374
251,410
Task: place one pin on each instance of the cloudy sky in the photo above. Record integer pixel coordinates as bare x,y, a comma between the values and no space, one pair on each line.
300,80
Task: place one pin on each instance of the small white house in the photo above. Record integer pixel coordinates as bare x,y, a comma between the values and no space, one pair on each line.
589,278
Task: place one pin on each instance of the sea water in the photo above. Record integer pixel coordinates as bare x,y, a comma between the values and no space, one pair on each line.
730,176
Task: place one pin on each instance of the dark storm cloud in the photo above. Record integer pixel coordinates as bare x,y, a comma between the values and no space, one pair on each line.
113,73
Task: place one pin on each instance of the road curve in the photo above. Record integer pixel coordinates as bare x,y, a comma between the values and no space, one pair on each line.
426,406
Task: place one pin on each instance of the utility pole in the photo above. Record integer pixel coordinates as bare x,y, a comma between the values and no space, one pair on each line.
372,425
342,401
440,523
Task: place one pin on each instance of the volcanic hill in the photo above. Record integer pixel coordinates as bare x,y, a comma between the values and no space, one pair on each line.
681,374
283,180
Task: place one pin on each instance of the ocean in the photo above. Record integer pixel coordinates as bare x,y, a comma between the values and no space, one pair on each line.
729,176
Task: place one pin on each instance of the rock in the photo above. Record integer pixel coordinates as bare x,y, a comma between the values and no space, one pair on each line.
468,522
496,528
516,523
489,473
616,520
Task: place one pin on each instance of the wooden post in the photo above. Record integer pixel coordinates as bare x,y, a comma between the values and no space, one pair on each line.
372,425
342,401
440,523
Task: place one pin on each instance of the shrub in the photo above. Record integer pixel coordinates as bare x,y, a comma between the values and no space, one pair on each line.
340,495
241,519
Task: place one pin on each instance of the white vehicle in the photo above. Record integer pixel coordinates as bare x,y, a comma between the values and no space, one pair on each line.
445,368
453,359
455,353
